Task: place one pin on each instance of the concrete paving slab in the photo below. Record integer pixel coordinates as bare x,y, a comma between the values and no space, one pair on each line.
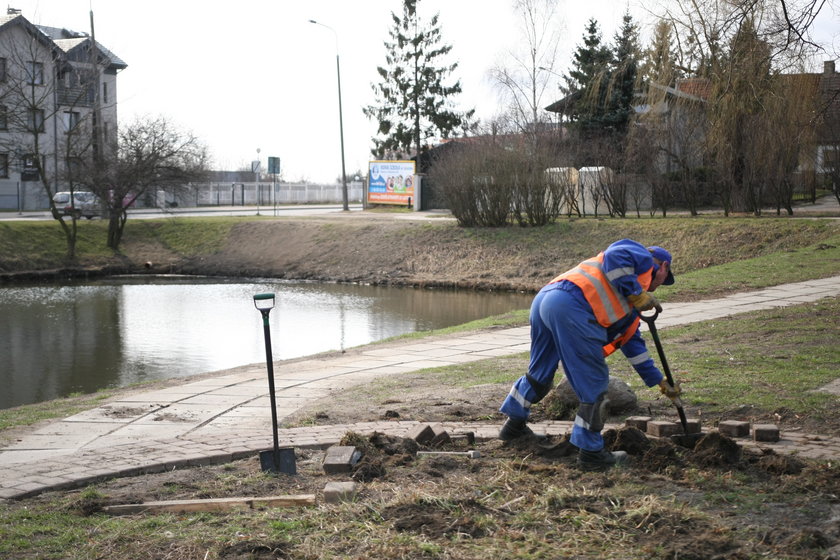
159,396
11,457
181,413
242,390
112,414
60,442
216,400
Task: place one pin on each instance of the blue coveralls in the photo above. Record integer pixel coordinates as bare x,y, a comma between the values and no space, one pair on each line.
564,329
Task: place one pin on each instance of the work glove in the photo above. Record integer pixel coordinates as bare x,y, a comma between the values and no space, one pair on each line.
671,391
644,302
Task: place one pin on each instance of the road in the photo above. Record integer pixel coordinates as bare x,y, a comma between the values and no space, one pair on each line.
147,213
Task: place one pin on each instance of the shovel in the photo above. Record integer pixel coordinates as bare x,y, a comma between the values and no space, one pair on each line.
684,439
278,459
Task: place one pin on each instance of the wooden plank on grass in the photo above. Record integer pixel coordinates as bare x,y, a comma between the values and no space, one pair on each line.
215,504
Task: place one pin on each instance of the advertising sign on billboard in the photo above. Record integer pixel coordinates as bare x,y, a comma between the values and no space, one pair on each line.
391,182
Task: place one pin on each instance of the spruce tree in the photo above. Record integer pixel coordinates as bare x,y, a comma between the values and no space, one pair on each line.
622,88
588,80
413,102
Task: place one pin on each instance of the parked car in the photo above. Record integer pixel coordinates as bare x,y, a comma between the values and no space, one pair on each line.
84,204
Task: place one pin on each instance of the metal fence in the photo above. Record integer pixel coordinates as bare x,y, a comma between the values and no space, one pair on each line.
250,194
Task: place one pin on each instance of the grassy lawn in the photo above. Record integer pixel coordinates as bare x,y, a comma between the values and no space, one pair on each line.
518,503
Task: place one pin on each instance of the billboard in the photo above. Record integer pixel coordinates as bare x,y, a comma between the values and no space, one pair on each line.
391,182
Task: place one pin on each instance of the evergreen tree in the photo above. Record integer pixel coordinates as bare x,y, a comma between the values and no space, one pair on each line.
412,98
625,65
659,64
588,80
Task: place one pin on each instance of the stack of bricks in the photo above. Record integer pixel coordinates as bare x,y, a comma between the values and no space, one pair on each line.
731,428
760,432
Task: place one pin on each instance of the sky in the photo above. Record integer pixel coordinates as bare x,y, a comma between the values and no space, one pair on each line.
257,75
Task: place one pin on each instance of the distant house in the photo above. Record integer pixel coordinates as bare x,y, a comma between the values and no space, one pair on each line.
678,114
828,129
48,87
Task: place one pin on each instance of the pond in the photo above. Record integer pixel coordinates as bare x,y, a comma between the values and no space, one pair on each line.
56,340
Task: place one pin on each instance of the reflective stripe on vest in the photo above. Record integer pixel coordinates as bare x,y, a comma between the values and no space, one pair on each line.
622,340
608,305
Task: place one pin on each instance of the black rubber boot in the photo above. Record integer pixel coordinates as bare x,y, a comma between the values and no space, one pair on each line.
600,460
514,429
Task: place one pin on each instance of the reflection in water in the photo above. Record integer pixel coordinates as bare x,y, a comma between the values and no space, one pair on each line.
56,340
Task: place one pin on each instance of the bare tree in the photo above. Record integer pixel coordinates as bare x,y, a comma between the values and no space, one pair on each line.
151,154
524,78
702,27
474,182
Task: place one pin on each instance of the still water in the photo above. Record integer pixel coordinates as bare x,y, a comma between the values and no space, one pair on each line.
60,339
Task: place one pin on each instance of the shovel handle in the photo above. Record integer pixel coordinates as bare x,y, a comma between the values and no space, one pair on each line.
650,320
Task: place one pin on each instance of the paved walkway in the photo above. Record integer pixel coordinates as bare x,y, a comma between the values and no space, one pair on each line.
227,416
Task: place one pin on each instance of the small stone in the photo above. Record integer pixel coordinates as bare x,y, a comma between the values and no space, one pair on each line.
638,422
467,437
335,492
620,397
662,428
421,434
441,437
693,426
340,459
734,428
766,432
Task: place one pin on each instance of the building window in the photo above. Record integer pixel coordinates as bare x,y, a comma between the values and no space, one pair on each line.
71,120
36,120
4,118
104,92
35,73
2,69
831,159
4,165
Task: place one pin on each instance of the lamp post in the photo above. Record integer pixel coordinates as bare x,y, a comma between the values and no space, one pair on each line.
340,118
275,459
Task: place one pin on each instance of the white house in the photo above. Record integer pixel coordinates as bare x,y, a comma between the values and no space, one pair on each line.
53,98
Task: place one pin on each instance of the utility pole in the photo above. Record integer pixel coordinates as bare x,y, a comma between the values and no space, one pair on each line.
97,112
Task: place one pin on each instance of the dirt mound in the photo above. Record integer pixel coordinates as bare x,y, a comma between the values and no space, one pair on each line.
716,450
438,518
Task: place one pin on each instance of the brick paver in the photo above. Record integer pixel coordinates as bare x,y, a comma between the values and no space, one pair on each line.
227,417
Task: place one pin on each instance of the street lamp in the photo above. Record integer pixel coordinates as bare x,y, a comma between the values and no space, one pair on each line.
275,459
340,119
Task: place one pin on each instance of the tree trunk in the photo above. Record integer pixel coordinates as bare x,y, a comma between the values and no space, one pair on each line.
116,226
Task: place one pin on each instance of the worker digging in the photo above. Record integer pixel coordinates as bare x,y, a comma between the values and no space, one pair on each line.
576,320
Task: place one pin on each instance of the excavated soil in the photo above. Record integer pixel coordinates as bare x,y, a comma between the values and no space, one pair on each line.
445,497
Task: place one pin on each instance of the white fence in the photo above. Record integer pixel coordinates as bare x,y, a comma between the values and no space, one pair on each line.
251,194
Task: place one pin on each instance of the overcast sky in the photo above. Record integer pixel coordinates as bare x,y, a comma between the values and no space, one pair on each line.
255,74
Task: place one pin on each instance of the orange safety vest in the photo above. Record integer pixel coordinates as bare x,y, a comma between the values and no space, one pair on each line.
608,305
